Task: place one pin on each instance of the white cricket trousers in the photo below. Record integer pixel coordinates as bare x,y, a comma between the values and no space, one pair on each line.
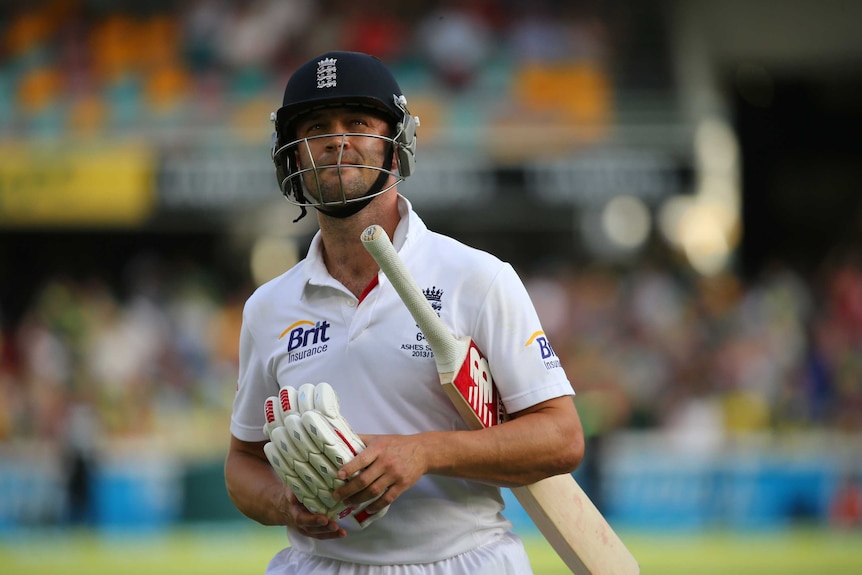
505,556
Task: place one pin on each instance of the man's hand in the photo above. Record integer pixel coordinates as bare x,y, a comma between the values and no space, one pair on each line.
310,524
386,468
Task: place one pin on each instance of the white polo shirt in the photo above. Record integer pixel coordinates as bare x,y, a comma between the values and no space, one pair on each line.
305,327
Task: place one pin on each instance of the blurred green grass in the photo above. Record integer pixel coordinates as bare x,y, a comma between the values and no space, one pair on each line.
245,549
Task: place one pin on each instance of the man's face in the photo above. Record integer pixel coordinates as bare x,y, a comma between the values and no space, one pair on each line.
339,158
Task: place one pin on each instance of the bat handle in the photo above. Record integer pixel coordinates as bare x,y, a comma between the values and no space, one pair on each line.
448,350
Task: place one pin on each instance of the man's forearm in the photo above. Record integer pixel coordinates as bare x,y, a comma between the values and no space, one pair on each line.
255,489
519,452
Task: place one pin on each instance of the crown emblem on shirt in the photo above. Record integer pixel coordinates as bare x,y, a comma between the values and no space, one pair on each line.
326,73
434,295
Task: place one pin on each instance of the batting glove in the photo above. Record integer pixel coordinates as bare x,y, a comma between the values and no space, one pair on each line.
309,442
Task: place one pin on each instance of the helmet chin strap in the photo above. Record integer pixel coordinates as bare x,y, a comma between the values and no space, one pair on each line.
347,210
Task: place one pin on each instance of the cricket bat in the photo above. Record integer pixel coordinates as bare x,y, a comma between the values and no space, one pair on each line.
558,506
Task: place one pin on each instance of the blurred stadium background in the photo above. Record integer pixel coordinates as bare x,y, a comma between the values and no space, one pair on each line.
678,182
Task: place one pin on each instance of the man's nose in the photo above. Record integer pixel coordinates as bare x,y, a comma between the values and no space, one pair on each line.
337,139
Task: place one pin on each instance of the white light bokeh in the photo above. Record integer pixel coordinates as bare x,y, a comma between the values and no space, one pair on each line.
626,222
706,226
670,216
703,239
716,147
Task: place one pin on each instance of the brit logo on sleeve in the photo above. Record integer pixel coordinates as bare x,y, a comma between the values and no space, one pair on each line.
549,356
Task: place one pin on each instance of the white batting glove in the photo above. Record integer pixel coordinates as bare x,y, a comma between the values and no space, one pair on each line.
309,442
278,451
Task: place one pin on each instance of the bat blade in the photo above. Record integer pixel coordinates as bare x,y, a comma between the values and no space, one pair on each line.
575,528
558,506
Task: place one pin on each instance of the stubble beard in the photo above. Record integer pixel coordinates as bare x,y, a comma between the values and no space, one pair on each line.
337,185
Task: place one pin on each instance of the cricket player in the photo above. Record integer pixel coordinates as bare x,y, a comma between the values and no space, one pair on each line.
330,344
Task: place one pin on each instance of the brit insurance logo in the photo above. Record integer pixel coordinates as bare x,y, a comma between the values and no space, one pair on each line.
549,357
305,338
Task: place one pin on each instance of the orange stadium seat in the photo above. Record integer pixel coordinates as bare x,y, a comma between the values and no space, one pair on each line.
27,31
165,87
114,47
160,41
38,89
578,92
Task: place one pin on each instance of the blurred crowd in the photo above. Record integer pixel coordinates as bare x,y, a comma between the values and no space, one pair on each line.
709,357
155,353
78,67
648,348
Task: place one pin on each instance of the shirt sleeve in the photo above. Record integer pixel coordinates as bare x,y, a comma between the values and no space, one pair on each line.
525,368
254,385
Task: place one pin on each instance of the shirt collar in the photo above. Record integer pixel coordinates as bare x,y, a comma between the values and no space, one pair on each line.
409,228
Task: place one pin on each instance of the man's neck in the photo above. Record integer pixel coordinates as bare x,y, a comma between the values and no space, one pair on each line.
343,253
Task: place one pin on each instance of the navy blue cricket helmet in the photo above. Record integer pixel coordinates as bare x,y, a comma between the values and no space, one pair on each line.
340,78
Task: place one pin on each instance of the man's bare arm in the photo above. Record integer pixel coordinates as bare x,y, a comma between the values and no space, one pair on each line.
538,442
252,485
